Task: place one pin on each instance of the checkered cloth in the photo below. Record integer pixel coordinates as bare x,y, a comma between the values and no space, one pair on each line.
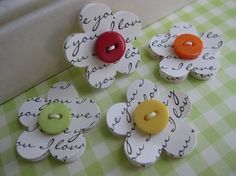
213,112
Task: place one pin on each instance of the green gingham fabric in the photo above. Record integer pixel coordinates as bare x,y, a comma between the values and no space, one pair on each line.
213,112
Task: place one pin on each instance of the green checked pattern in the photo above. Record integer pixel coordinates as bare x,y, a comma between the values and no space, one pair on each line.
213,112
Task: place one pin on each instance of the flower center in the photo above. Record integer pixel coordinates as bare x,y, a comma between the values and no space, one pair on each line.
188,46
54,118
151,116
110,47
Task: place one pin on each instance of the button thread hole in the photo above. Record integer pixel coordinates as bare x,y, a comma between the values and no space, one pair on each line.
188,43
55,116
111,48
151,115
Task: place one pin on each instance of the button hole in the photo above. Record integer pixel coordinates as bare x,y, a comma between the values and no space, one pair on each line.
111,48
55,116
151,115
188,43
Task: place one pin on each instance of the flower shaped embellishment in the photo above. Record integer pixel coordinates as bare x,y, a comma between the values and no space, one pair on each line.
105,47
152,123
183,51
56,124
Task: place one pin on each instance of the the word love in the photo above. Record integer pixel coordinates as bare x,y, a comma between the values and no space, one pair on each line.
180,104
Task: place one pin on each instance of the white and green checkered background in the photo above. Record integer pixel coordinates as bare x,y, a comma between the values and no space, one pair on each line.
213,112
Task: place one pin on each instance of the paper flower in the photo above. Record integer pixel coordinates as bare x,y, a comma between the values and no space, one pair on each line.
175,137
184,51
62,103
105,47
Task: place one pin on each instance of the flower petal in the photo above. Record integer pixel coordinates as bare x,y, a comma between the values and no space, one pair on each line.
162,45
32,145
101,76
130,60
171,78
182,139
119,120
212,42
62,92
174,67
183,28
140,149
85,114
79,49
30,110
205,66
139,91
127,24
68,145
96,18
178,103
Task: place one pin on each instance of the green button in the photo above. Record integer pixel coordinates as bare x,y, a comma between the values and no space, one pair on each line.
54,118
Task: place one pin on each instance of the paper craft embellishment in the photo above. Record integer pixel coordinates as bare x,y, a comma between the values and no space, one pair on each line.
152,123
56,124
105,47
184,51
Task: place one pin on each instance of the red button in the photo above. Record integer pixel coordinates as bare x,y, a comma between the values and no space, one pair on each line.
110,47
188,46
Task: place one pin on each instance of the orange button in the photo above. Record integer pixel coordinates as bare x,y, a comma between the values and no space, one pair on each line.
188,46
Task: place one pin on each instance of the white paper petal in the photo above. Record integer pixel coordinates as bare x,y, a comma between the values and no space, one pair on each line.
68,146
202,77
73,158
101,76
96,18
130,60
182,139
30,110
85,114
212,42
205,66
119,120
127,24
140,149
139,91
174,67
32,145
162,44
171,78
183,28
79,49
62,92
178,103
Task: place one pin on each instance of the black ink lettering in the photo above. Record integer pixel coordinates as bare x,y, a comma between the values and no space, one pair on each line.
78,43
94,69
207,56
19,143
97,20
104,81
122,25
48,145
128,147
179,66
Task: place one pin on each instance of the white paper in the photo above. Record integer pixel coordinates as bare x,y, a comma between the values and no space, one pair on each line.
177,139
34,144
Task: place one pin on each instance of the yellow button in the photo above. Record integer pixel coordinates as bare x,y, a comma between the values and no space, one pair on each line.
151,116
